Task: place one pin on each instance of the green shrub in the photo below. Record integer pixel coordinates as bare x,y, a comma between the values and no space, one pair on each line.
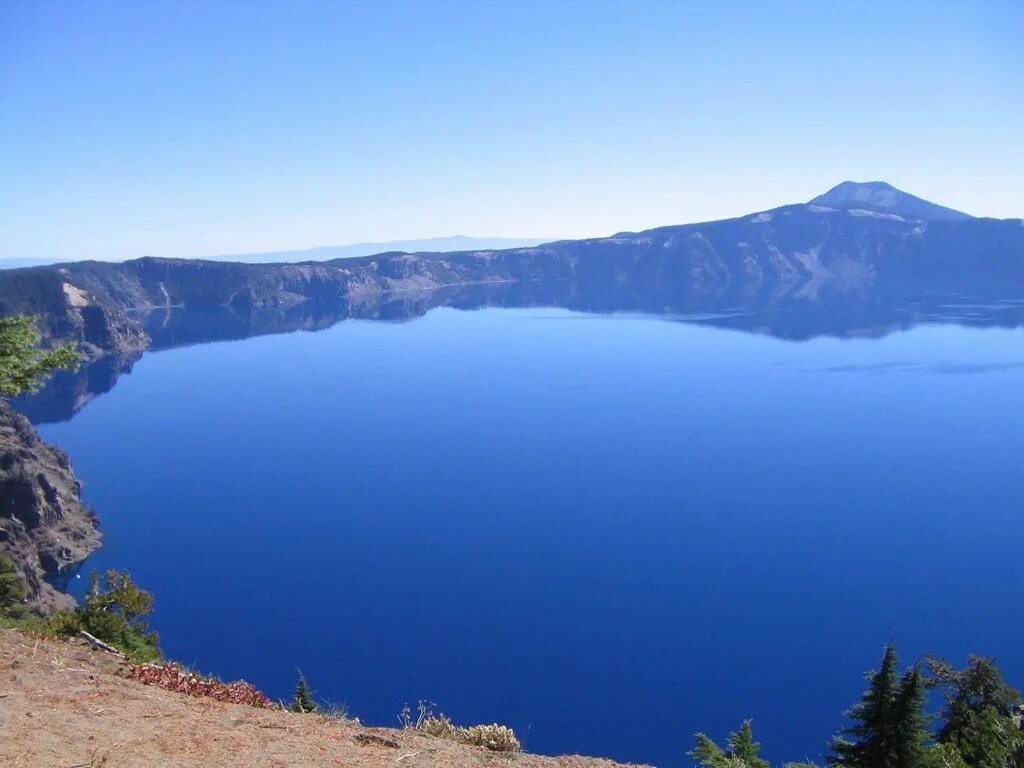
23,365
114,611
12,589
31,623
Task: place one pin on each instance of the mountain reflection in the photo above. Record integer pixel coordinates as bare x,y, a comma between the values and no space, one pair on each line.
793,313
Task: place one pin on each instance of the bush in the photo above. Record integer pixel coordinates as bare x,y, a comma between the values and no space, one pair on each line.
38,626
12,589
497,738
114,611
440,726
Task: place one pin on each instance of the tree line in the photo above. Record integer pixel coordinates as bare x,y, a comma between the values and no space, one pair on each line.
979,726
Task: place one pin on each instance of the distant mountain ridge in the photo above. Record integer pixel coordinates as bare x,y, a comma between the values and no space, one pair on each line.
431,244
850,238
328,252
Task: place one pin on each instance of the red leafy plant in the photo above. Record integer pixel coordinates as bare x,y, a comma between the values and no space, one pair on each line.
174,677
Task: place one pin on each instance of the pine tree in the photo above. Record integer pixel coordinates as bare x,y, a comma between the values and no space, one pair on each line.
742,752
980,720
868,742
22,364
304,700
743,746
909,722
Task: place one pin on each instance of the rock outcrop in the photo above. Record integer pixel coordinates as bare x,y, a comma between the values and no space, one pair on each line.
69,312
44,526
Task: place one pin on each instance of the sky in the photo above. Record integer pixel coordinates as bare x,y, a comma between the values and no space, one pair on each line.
185,129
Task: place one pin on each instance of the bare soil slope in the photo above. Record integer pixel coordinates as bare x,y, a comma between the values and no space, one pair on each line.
63,705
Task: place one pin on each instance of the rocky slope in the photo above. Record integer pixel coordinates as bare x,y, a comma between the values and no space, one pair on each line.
97,323
44,526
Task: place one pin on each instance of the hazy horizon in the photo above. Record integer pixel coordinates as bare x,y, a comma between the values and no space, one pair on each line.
197,129
326,252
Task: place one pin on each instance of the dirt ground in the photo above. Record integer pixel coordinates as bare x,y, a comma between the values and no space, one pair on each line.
62,705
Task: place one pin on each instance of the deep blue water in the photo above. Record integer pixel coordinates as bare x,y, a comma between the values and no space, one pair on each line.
606,531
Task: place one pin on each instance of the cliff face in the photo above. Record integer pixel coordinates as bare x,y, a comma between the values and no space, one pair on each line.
69,312
44,526
856,234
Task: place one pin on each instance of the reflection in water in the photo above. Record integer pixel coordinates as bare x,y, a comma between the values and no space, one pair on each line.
67,392
794,313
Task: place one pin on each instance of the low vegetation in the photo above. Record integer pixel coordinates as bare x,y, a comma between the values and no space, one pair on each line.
980,725
440,726
12,589
495,737
114,612
175,677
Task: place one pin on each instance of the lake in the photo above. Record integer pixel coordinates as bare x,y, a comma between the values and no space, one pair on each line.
608,531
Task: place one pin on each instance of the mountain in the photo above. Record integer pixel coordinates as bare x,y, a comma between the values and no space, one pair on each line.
19,263
328,252
881,198
433,244
866,235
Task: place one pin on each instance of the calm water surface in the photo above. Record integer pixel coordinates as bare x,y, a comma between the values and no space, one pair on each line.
606,531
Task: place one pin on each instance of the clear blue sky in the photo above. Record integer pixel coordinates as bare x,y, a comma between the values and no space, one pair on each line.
199,128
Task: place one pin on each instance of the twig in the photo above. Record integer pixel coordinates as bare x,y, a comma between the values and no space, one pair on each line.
100,644
403,757
90,764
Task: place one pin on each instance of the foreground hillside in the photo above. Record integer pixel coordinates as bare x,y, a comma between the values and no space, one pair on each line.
63,704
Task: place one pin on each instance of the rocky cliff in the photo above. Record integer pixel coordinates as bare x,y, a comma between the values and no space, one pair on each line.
96,323
855,234
44,526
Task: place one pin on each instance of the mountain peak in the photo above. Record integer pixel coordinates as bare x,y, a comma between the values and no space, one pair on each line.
881,197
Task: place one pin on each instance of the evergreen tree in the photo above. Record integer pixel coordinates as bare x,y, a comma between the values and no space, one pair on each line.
980,719
304,700
115,611
909,722
944,756
743,746
868,743
742,752
22,364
